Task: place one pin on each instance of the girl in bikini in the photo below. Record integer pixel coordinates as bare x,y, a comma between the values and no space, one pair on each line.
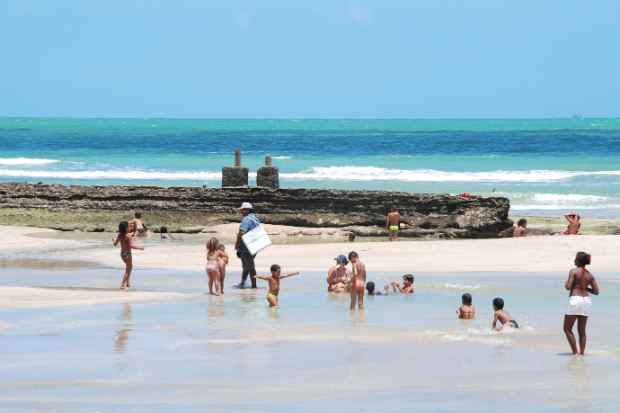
125,239
358,281
214,257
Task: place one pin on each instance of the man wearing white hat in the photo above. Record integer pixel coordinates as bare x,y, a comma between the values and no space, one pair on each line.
249,221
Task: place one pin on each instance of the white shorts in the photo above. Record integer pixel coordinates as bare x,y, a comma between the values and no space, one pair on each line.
578,305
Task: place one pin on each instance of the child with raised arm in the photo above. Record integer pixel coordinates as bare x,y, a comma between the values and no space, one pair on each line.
407,287
501,317
214,255
125,239
467,311
223,264
274,283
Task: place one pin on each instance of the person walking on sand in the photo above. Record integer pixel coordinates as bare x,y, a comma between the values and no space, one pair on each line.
392,223
358,281
574,224
580,284
249,221
125,239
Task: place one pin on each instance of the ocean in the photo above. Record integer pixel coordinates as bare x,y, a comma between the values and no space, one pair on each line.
544,166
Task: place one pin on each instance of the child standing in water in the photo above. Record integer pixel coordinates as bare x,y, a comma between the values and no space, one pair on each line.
274,283
223,264
467,311
125,239
580,284
357,281
502,317
214,255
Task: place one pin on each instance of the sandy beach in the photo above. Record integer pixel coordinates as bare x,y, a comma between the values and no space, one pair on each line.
523,255
48,249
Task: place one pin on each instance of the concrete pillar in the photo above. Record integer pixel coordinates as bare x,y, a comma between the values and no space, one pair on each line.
235,175
268,176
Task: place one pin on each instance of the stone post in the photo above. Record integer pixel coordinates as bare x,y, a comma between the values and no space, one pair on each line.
268,176
235,175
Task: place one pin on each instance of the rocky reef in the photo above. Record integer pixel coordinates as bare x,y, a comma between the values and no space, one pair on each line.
361,212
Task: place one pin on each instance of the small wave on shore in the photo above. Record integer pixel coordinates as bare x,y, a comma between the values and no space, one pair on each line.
328,173
26,161
370,173
115,174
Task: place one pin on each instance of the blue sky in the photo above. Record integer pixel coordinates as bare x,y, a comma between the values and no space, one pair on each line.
321,58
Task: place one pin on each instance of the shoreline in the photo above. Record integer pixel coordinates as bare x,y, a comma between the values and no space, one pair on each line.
520,255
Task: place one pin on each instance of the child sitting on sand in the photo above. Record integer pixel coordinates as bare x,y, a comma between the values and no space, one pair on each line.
274,283
223,263
501,316
125,239
407,287
214,255
467,311
521,228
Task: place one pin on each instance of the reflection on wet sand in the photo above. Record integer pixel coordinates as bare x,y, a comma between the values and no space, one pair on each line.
122,335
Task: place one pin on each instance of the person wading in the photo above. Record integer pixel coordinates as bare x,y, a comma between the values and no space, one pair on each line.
249,221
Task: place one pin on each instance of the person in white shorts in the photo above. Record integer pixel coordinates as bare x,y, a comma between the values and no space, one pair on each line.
580,283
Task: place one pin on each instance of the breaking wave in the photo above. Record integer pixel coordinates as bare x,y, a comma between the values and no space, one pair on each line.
26,161
328,173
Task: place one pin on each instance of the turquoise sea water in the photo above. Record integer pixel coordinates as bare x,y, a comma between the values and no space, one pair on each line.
545,166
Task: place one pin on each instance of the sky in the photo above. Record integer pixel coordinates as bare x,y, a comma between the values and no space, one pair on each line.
310,59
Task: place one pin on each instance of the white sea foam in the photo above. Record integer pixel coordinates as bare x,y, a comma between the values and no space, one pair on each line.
563,206
115,174
569,198
328,173
370,173
282,157
26,161
461,286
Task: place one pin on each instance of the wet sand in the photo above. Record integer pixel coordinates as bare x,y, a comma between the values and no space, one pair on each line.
531,254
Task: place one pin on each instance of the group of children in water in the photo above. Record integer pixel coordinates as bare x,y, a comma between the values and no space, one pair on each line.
580,283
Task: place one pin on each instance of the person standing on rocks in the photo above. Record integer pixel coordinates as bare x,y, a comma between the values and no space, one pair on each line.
392,223
249,221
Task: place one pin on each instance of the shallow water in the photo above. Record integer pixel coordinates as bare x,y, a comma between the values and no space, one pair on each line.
232,353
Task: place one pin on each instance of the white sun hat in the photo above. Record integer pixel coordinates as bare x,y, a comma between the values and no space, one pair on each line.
246,205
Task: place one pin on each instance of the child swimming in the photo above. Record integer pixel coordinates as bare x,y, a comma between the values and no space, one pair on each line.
467,311
214,255
223,260
407,287
501,317
125,239
274,283
370,289
357,281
